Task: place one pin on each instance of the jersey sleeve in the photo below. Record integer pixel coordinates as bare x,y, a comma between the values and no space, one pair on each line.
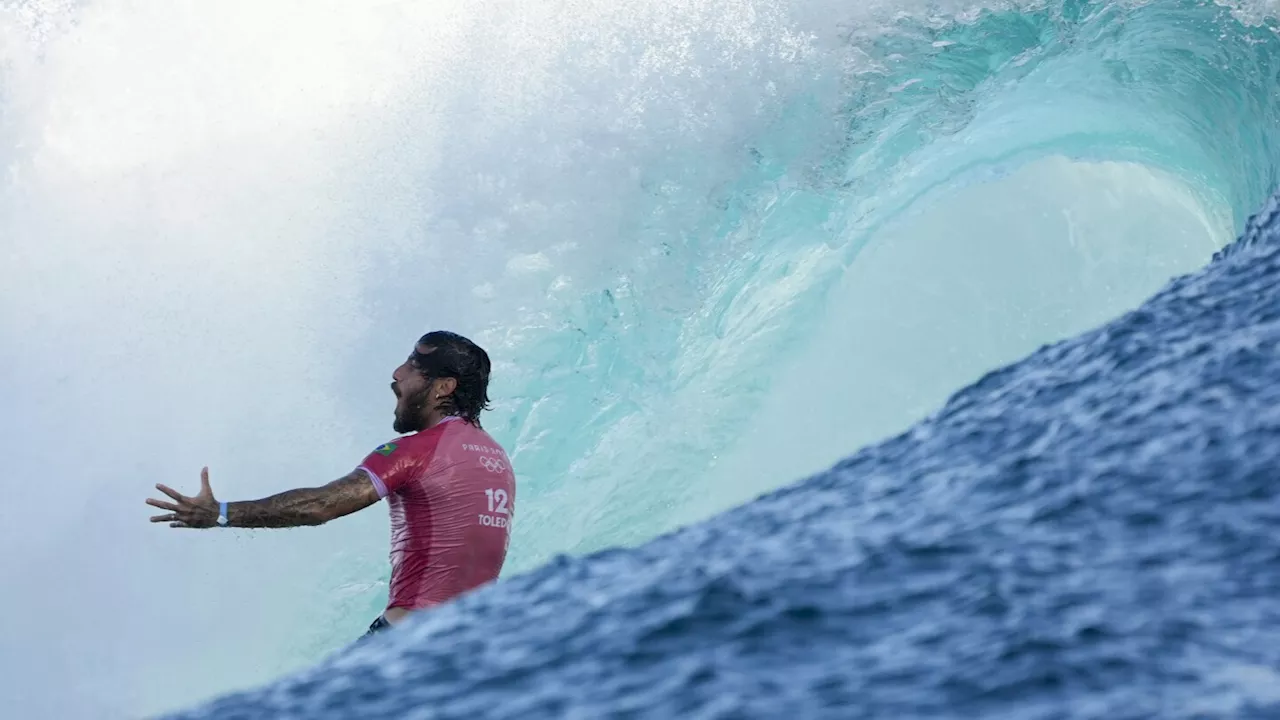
392,465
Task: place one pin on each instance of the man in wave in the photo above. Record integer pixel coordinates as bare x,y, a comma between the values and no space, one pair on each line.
449,485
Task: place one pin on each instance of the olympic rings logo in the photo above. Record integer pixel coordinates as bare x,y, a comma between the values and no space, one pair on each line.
493,465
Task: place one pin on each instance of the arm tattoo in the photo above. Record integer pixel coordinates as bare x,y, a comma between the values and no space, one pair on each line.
305,506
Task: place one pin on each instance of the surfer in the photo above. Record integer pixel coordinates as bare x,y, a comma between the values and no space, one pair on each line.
449,486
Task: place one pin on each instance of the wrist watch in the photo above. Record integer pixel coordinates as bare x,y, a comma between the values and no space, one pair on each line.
222,514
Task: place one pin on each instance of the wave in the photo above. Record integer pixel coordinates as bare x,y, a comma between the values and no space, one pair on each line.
904,113
712,247
1084,533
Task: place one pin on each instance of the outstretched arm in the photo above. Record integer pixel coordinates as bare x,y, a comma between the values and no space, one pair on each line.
305,506
292,508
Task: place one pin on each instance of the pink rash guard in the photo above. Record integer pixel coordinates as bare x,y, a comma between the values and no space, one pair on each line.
451,492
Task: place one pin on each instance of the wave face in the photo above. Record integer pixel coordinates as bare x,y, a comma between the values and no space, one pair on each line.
1087,533
712,247
947,191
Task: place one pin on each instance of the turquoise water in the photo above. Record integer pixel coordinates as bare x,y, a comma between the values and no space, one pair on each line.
1159,108
711,247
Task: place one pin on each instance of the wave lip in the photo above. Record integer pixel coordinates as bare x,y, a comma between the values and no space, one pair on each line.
911,109
1086,533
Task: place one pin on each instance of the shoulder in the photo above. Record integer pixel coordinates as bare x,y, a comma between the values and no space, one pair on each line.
396,462
402,453
468,437
425,444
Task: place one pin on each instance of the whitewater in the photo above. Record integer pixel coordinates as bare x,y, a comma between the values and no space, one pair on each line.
877,359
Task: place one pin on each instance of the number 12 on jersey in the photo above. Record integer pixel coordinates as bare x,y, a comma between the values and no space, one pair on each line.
497,501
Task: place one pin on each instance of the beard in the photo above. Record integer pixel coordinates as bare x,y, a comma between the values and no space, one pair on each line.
410,414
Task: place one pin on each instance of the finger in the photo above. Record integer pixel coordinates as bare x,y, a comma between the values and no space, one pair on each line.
164,518
172,493
204,483
179,525
162,505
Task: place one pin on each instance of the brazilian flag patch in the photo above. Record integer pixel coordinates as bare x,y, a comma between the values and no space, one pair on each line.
386,449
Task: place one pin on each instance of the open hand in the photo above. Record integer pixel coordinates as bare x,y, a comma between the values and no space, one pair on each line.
200,511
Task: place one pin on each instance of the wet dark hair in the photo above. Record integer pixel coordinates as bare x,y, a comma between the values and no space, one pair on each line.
457,357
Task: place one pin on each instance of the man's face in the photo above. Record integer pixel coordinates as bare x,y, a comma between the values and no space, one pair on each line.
413,395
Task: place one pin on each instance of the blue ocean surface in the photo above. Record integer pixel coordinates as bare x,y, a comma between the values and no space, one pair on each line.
1090,532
